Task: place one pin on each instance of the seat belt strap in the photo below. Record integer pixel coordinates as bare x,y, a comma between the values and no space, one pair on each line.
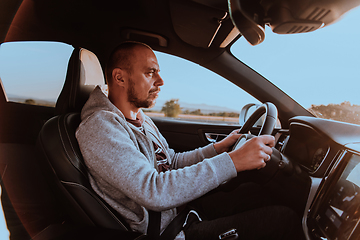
173,229
154,225
175,226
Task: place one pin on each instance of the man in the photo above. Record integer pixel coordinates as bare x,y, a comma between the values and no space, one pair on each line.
132,167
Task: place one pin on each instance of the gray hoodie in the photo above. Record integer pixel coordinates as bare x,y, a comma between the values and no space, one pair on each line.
123,171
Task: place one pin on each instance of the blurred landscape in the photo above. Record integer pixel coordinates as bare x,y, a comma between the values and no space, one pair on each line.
345,111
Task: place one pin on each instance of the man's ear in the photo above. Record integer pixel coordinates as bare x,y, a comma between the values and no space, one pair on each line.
118,76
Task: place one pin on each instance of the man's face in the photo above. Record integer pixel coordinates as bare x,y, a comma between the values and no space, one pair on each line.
144,80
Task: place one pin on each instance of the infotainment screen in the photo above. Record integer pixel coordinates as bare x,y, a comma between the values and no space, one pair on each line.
340,213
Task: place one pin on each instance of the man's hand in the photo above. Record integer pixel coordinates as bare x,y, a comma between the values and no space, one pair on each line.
225,144
254,153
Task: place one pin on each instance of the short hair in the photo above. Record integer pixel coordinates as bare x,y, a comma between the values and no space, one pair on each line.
121,57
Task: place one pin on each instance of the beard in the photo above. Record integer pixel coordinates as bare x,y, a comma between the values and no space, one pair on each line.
149,102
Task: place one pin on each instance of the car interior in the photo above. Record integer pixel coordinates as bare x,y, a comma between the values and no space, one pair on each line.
46,192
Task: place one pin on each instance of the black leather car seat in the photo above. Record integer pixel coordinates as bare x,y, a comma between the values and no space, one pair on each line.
61,150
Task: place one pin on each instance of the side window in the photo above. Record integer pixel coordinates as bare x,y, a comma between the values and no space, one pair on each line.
33,72
193,93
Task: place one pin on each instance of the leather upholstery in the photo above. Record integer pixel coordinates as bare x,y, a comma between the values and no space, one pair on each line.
58,142
83,74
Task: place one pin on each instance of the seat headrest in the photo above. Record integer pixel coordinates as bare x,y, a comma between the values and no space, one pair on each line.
84,73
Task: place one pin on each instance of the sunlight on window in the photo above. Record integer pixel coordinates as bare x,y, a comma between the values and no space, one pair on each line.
194,93
33,72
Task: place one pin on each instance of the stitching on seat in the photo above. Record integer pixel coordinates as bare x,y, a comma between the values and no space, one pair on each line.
139,237
62,118
71,145
95,198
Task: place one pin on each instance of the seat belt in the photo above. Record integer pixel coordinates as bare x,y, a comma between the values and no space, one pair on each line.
175,226
154,224
170,232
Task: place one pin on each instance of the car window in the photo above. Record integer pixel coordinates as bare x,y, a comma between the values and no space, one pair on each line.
319,70
194,93
4,232
33,72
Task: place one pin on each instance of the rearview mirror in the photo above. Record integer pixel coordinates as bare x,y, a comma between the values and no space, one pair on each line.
285,16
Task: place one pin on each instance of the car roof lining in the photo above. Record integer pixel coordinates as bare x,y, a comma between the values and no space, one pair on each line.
79,22
8,9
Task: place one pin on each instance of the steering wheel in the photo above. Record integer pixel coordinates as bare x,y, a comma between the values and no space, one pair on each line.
269,112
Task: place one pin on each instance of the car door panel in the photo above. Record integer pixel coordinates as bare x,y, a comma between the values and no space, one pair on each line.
185,135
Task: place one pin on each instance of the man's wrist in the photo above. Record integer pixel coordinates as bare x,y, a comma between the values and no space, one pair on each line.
218,148
215,148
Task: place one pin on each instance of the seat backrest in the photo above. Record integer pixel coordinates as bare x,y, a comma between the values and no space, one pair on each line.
84,73
58,143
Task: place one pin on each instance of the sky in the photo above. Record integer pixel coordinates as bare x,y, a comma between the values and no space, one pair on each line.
34,70
191,83
320,67
4,233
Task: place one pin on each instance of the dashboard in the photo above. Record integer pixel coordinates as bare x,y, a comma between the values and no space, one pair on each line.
309,148
330,152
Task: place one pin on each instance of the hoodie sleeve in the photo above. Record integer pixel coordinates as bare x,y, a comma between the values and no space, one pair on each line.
113,156
184,159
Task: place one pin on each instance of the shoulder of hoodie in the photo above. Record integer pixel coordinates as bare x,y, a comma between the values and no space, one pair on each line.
99,107
148,121
104,115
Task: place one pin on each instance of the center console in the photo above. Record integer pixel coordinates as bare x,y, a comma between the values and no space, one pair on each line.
335,213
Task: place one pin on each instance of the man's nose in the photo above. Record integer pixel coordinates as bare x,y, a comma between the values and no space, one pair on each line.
159,81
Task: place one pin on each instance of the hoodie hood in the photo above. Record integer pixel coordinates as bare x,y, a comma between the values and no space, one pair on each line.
98,101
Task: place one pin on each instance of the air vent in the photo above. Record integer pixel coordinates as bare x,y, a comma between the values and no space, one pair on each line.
301,29
297,26
318,14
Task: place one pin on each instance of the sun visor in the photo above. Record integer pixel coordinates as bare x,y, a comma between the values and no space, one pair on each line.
195,23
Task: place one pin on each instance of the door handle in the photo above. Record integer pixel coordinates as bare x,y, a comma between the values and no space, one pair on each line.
214,137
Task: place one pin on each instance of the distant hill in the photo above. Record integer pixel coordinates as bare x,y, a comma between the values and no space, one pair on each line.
344,111
206,109
32,101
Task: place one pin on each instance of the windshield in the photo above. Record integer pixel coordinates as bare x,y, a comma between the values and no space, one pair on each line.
320,70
